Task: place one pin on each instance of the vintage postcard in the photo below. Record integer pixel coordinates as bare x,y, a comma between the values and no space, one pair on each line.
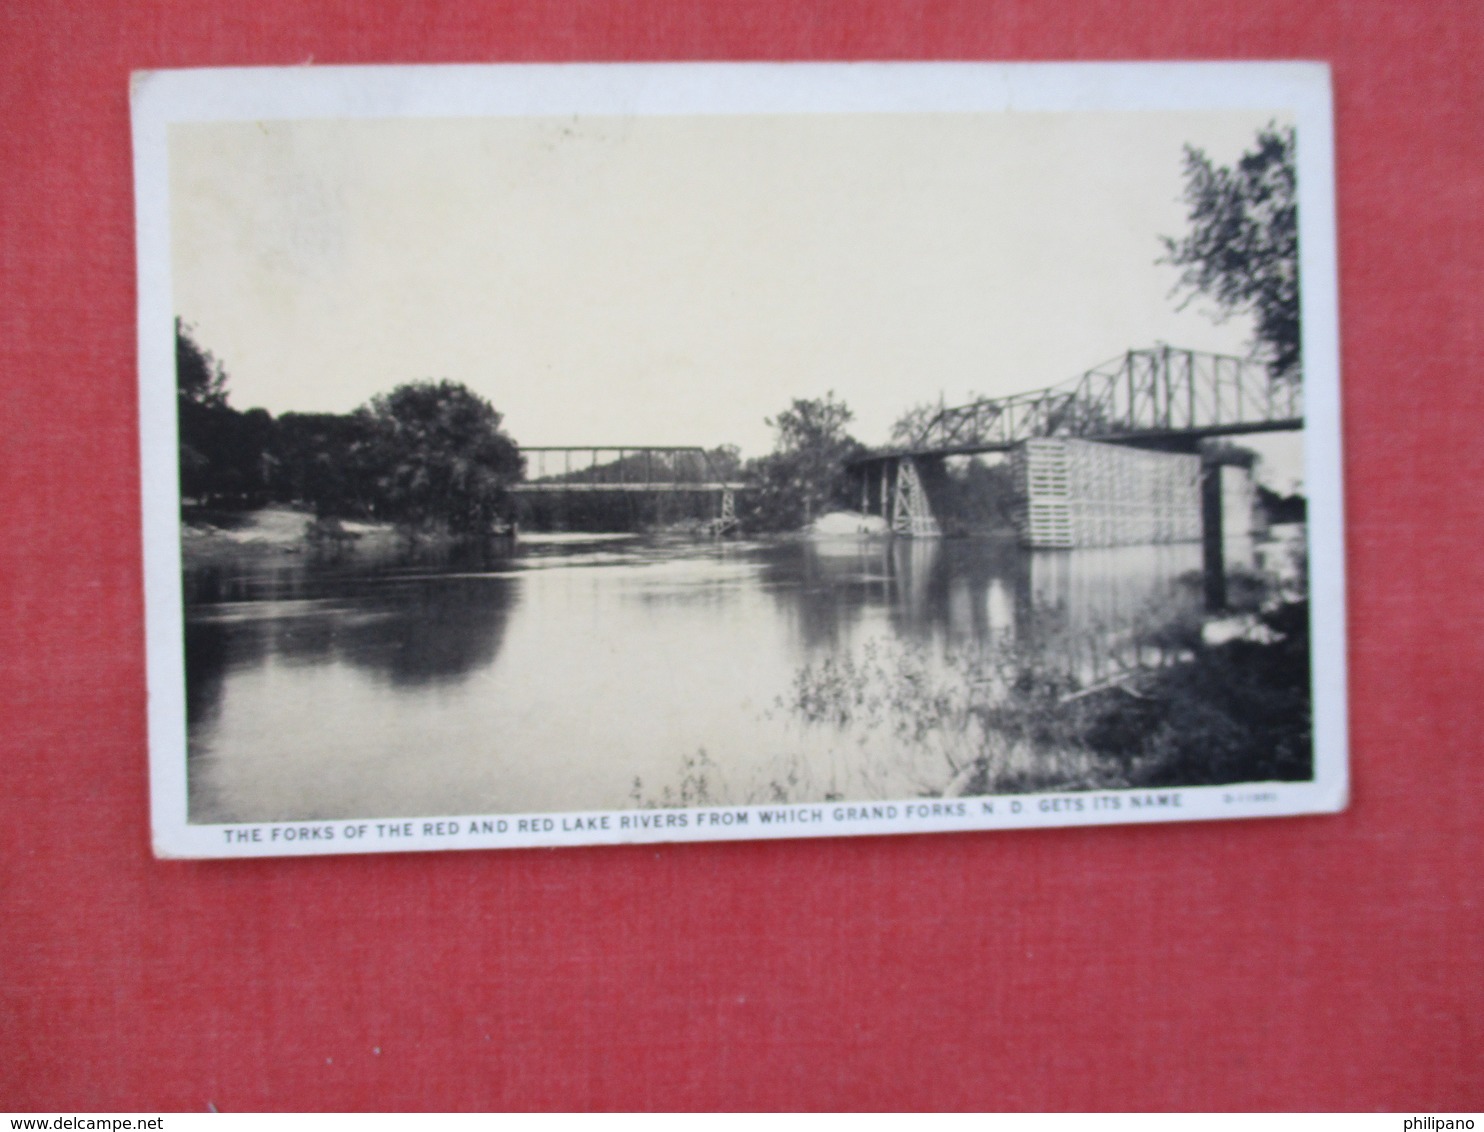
559,455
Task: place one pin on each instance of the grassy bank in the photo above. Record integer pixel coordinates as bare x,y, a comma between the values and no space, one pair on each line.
1168,709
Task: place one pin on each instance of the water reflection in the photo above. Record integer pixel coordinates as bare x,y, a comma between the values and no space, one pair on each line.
823,589
408,632
957,592
556,674
1111,588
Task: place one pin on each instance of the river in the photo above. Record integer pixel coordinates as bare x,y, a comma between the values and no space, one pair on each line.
589,673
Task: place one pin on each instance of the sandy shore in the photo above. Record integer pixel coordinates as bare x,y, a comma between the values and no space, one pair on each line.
208,535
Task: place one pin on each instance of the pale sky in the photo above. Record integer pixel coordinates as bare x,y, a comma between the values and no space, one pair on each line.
676,280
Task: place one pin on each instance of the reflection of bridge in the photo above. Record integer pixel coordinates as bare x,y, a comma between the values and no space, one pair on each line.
634,469
1093,612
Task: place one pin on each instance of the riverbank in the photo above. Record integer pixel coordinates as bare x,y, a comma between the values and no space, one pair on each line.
211,535
215,536
1185,700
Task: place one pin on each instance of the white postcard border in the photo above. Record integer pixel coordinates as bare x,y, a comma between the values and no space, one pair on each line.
161,98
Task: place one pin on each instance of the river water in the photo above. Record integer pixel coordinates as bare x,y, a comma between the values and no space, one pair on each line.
589,673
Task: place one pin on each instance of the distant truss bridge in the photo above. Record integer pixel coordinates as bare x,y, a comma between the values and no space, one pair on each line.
630,468
633,470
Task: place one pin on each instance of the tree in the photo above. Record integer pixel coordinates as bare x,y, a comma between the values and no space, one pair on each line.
805,475
975,496
1242,248
441,459
329,461
725,462
908,429
223,453
199,377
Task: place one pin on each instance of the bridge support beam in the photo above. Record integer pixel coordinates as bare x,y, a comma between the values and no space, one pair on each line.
1213,541
726,520
911,511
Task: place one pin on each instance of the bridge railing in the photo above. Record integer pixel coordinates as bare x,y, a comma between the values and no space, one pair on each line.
1160,390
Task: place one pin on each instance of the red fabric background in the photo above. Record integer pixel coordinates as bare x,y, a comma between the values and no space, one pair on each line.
1331,962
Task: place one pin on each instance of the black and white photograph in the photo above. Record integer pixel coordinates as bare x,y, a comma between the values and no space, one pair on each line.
565,455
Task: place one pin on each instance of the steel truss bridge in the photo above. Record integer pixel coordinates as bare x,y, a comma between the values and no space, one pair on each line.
1162,396
635,469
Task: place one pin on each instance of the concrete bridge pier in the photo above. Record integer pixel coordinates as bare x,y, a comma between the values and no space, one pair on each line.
1080,493
1213,542
1228,511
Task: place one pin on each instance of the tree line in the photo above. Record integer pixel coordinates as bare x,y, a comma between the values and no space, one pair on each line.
427,455
433,456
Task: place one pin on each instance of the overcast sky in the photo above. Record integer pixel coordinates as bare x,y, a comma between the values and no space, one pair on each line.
676,280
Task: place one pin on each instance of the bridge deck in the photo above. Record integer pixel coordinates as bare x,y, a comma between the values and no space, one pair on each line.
1168,439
